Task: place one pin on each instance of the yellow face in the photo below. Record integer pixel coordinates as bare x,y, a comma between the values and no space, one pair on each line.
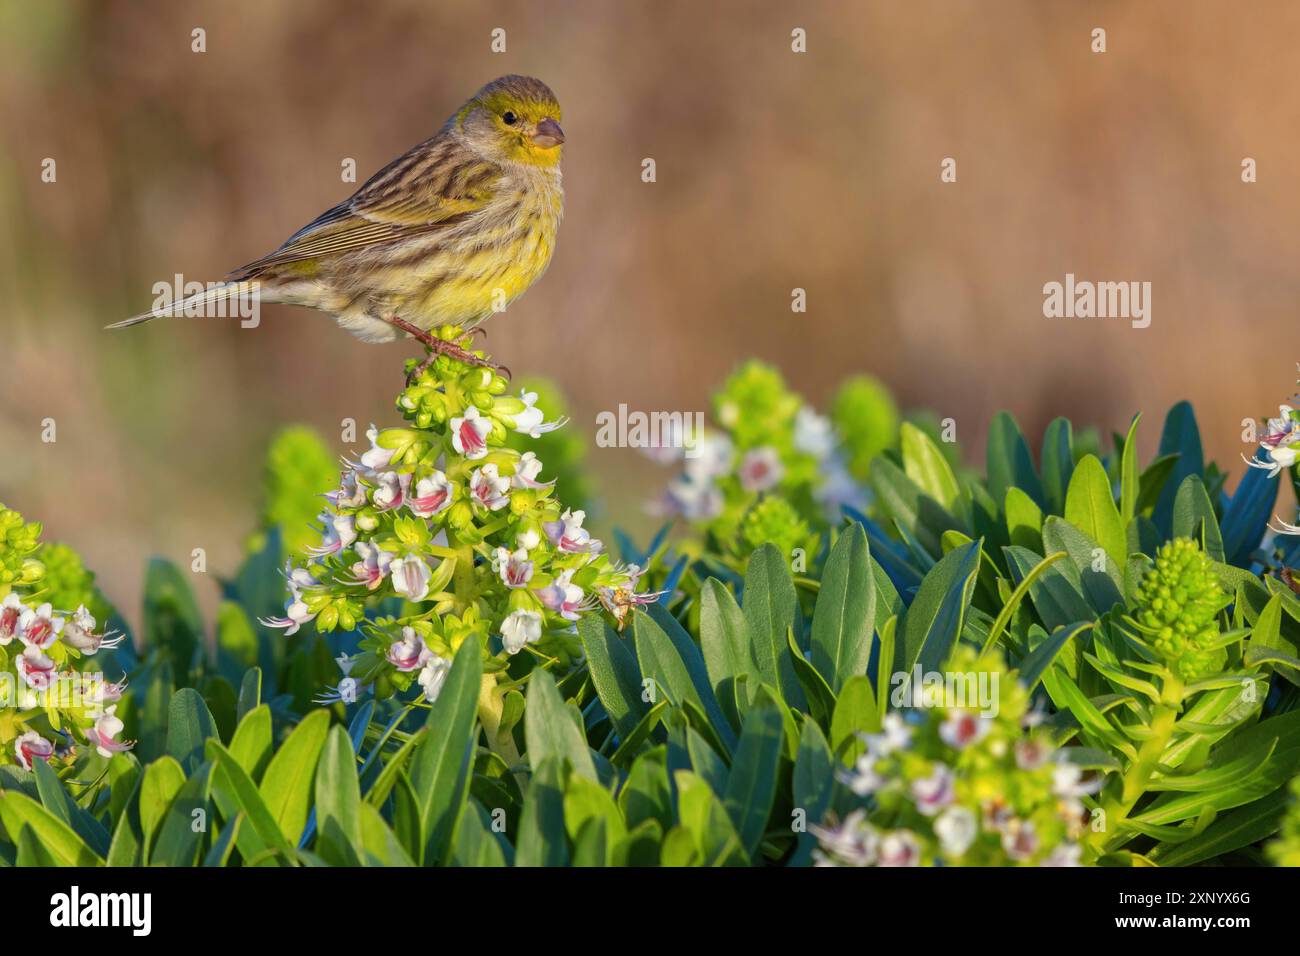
514,119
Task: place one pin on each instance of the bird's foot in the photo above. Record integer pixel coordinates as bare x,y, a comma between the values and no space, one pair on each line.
436,347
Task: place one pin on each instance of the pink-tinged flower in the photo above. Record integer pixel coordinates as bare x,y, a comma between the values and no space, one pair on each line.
1278,458
410,576
339,533
961,728
373,566
519,628
813,433
855,842
900,848
103,735
79,632
1020,839
432,496
692,499
39,628
350,493
97,691
564,597
894,735
35,669
569,536
469,434
296,612
527,469
956,829
11,612
389,490
1031,754
931,794
409,653
32,746
761,469
530,421
488,489
376,458
433,676
514,567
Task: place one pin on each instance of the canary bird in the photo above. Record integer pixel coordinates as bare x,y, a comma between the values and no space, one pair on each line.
448,233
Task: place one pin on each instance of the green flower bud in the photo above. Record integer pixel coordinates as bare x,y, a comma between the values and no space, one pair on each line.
773,520
1179,601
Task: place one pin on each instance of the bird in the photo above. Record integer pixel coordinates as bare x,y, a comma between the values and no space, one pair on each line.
448,233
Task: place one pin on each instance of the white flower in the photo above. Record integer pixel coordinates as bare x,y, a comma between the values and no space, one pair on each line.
434,676
931,794
900,848
79,632
432,495
11,612
1019,839
527,469
39,628
1065,854
469,434
296,612
692,499
528,539
488,489
32,746
35,669
376,458
863,779
389,490
853,843
529,422
761,469
709,459
956,829
408,653
514,567
813,434
350,493
519,628
569,536
103,735
894,735
961,728
410,576
339,533
1067,780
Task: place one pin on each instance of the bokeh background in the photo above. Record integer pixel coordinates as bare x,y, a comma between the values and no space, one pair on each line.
775,170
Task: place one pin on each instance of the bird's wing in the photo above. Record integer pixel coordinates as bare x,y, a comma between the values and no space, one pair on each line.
430,188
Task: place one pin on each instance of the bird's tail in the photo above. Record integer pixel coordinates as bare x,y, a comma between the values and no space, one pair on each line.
218,293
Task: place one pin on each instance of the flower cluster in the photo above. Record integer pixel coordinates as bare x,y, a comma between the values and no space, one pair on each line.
1279,446
771,447
45,700
953,785
1179,601
463,529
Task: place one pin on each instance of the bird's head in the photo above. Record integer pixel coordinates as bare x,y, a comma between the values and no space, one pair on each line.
515,119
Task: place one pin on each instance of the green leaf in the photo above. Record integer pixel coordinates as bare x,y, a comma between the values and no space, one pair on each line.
706,820
1103,587
856,711
647,793
260,828
1037,661
662,663
1009,463
1128,470
813,784
189,724
1058,463
286,785
1194,517
162,781
55,799
614,673
845,614
542,840
934,620
338,801
585,801
476,844
925,464
549,730
172,622
1024,519
1232,831
441,765
751,785
235,634
250,692
1090,507
251,745
821,699
727,647
179,841
630,746
19,812
769,606
1013,602
1180,437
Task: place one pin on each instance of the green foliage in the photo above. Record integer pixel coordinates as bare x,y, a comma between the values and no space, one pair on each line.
299,468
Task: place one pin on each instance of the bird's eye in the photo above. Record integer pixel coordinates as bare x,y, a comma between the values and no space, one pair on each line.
510,118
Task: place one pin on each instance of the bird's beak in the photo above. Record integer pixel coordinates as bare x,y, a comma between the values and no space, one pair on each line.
547,134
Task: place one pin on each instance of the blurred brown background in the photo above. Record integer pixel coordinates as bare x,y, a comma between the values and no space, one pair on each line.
775,171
